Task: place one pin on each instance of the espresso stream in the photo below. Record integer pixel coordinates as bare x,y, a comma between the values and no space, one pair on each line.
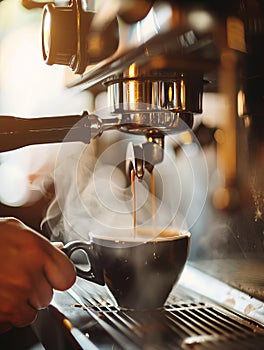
133,189
153,202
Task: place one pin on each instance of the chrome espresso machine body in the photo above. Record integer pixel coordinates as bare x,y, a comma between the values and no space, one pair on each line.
157,59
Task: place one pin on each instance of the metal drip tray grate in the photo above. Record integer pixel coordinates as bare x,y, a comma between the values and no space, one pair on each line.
184,324
199,323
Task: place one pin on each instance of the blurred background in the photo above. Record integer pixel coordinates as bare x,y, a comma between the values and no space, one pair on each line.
28,87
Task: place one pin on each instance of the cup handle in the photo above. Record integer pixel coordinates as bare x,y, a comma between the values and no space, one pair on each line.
95,274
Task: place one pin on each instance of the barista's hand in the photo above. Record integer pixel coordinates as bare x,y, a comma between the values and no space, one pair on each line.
30,267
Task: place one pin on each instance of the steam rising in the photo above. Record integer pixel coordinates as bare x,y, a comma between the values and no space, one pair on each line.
92,197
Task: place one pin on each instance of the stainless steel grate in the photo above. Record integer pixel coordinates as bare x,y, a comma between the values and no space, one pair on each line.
186,324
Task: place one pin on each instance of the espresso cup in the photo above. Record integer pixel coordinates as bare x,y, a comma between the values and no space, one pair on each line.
140,272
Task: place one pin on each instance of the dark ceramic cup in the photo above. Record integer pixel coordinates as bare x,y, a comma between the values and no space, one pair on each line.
139,273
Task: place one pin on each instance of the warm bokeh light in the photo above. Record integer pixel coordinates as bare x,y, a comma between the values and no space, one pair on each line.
200,20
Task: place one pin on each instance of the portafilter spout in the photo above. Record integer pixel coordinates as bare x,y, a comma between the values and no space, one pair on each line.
154,125
144,156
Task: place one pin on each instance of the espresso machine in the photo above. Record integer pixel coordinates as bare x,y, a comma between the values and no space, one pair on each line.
156,60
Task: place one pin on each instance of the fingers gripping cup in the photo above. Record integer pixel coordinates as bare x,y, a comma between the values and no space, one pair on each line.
140,273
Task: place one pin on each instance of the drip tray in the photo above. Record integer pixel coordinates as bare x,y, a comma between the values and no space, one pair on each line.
187,321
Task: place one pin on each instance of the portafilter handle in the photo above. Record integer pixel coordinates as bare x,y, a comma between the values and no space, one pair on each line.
16,132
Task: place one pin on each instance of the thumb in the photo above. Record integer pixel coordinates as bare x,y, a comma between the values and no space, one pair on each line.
58,245
59,269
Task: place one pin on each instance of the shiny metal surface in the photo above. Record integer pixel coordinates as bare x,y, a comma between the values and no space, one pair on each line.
176,92
242,294
188,320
